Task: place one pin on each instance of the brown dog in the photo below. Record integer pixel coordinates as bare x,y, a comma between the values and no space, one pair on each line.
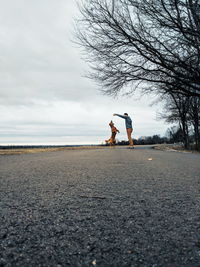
114,131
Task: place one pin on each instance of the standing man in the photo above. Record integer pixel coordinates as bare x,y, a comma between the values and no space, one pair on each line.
129,127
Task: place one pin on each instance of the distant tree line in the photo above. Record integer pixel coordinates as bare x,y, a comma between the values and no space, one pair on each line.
146,140
147,45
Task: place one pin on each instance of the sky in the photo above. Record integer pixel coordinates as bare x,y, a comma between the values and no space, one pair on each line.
44,95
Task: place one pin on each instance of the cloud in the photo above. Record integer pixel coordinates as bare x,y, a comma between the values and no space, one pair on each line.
38,60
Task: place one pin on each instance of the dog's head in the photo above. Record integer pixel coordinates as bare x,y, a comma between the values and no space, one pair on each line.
111,124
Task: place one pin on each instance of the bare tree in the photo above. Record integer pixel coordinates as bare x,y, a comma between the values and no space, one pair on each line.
174,134
176,110
145,43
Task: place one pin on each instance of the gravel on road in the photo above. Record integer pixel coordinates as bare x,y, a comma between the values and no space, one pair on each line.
100,207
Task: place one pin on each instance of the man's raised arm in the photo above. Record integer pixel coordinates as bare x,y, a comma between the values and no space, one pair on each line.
121,116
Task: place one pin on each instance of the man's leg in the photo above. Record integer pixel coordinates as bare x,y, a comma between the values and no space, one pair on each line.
129,132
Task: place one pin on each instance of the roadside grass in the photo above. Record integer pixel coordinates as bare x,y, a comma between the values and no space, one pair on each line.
19,151
174,147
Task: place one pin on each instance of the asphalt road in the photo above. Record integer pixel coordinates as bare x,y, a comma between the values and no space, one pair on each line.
101,207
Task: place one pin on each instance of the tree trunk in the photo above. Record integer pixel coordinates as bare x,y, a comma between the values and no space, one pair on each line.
185,134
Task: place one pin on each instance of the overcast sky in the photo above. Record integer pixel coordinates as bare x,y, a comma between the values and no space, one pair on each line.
44,97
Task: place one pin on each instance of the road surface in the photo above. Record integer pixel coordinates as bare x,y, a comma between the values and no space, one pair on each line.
100,207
